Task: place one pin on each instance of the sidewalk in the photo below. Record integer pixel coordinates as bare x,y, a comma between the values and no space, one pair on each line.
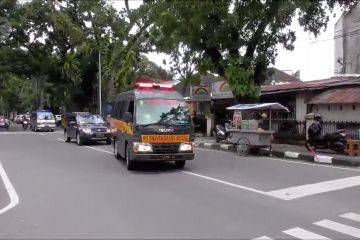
287,151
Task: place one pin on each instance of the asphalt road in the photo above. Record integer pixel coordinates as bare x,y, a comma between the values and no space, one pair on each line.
68,191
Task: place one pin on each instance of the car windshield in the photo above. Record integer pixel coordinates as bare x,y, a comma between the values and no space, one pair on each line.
45,116
90,119
162,111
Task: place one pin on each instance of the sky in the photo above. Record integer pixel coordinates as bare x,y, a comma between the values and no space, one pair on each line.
314,57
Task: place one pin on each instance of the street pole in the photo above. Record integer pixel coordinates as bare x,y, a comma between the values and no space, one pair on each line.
100,110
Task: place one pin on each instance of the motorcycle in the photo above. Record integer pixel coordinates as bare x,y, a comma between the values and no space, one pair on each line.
25,124
335,141
222,133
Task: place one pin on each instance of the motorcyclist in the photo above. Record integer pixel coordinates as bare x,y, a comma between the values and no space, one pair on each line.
25,122
316,127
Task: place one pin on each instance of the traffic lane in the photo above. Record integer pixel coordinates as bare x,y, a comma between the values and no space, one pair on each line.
333,199
308,215
67,190
98,195
260,173
281,174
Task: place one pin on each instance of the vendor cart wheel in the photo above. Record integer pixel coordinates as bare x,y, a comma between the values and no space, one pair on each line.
243,146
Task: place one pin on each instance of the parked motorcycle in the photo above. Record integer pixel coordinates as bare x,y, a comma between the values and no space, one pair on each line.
335,141
222,133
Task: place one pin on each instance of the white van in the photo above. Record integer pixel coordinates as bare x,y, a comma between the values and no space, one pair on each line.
42,120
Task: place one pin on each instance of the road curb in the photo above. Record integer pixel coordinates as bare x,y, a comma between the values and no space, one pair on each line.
323,159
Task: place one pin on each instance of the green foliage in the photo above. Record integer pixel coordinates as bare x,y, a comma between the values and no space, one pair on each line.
224,31
55,44
241,80
49,49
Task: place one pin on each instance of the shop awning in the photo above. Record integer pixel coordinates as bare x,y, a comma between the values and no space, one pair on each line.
258,106
337,96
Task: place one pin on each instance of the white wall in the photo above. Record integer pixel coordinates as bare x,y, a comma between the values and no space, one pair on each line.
335,114
347,41
301,106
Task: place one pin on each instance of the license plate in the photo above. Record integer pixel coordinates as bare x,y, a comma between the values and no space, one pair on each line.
167,157
165,138
99,135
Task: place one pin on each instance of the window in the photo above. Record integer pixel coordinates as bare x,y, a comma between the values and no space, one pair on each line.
131,107
123,108
114,109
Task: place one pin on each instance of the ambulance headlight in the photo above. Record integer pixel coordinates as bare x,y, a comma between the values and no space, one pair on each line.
142,147
186,147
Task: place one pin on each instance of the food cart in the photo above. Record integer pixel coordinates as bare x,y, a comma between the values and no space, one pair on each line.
246,138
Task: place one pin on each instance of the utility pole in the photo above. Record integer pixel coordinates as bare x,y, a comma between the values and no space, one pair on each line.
100,110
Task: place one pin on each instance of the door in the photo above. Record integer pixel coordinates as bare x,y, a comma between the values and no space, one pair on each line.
123,106
72,126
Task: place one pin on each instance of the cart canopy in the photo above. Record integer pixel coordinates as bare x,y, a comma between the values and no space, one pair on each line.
258,106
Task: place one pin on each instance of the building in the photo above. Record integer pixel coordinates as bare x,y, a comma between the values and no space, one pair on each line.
335,99
347,42
209,100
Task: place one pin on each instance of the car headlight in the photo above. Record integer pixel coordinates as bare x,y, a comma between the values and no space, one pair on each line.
86,130
142,147
186,147
108,130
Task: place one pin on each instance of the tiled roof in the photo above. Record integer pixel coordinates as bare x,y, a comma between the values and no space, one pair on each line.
280,76
311,85
345,95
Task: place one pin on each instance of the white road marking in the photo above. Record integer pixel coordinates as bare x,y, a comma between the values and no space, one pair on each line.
304,234
207,144
17,133
291,154
316,188
339,227
101,150
351,216
312,164
14,198
263,238
225,182
93,148
42,134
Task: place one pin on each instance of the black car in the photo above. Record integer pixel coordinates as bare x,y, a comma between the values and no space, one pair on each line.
86,127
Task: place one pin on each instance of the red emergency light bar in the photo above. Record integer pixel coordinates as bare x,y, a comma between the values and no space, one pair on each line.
147,85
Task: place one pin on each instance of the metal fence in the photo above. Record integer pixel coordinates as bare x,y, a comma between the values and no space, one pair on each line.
299,127
288,126
352,127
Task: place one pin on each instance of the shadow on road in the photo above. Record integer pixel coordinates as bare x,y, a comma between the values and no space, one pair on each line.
152,167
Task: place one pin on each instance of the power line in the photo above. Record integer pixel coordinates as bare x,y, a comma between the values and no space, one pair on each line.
329,39
347,28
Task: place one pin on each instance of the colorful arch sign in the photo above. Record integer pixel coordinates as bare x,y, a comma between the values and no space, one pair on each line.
201,91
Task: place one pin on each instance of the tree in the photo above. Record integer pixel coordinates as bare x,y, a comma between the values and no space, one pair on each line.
185,63
235,38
